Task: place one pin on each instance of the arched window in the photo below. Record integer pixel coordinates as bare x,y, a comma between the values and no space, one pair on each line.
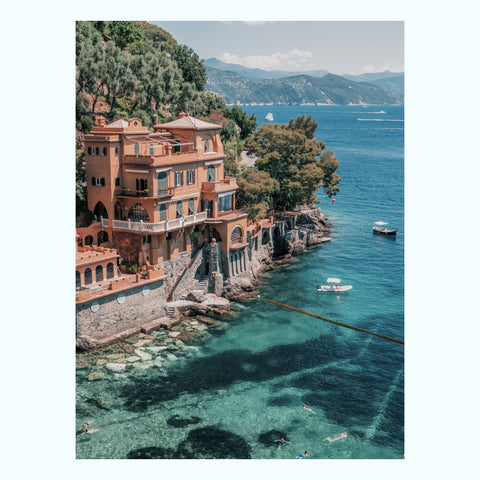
116,151
191,206
179,209
97,151
89,150
162,183
88,276
88,240
137,213
110,270
207,144
77,279
100,211
163,212
265,237
236,235
104,150
102,237
99,273
211,173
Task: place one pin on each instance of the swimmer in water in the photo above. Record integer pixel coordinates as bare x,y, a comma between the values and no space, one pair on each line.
282,440
303,455
308,409
338,437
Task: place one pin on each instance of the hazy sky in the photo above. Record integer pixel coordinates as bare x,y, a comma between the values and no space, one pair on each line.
339,47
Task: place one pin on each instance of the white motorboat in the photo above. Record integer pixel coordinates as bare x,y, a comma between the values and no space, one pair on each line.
333,286
269,117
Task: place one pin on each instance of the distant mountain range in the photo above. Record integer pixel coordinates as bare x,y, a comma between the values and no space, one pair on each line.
238,84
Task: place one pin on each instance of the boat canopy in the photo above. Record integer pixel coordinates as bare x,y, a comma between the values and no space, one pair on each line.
333,280
381,223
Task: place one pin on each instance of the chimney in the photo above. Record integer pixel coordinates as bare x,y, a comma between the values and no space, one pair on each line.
183,114
155,119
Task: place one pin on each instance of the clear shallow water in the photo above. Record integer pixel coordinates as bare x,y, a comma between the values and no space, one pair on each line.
245,385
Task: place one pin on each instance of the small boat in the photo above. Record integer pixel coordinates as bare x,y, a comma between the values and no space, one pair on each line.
269,117
333,286
382,230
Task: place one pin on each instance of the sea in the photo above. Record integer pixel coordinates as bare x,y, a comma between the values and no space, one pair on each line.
244,385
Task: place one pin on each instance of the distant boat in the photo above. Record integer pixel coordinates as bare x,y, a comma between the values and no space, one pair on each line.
333,286
269,117
380,229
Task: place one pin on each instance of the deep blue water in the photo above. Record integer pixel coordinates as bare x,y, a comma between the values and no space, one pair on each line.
245,386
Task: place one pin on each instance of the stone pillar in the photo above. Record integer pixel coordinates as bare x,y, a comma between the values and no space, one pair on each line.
217,284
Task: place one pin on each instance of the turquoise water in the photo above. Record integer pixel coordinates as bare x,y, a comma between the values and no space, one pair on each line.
244,385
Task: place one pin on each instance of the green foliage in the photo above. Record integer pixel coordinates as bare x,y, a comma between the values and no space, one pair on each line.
256,193
127,35
246,124
192,67
290,156
194,236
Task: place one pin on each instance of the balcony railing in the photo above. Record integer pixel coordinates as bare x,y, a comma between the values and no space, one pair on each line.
226,184
129,192
165,226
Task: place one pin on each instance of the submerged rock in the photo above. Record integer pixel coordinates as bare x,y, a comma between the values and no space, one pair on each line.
179,422
116,367
143,355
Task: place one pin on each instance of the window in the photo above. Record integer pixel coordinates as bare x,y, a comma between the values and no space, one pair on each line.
225,203
147,239
116,151
163,212
142,186
176,147
99,273
110,270
89,150
150,148
190,177
88,276
98,182
138,213
191,206
117,181
179,179
104,150
207,145
179,209
162,183
211,173
97,151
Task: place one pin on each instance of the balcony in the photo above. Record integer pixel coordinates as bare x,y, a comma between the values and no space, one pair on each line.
224,185
129,193
165,226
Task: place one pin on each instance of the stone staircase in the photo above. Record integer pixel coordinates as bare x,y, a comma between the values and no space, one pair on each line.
202,284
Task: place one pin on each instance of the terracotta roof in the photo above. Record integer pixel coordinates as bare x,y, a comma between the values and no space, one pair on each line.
190,122
118,124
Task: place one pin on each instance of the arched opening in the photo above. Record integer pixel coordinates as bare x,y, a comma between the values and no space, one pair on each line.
214,234
265,237
138,213
209,208
276,232
100,211
99,273
110,270
88,276
102,237
211,173
78,281
104,150
79,242
162,182
88,240
236,235
289,224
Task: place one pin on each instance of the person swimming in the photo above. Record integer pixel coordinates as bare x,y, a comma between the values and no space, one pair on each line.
303,455
308,409
340,436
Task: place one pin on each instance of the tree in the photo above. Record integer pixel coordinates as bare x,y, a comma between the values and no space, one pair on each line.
306,125
291,157
256,192
127,35
192,67
247,124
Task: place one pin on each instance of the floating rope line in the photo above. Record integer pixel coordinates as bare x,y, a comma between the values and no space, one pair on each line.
337,323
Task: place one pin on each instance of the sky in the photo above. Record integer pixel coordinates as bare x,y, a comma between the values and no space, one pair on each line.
352,47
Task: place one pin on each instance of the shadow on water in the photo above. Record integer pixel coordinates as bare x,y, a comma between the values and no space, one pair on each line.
202,443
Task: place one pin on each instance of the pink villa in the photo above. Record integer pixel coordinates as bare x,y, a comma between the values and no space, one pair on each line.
149,191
